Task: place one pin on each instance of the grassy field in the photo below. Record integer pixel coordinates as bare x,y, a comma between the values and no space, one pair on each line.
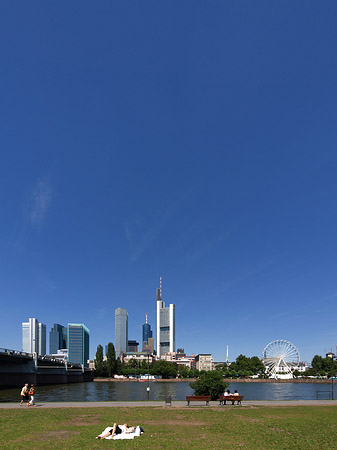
248,428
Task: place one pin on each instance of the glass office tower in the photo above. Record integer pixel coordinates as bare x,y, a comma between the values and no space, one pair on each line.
78,343
121,331
57,338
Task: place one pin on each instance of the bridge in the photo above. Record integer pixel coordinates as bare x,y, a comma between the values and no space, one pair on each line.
18,368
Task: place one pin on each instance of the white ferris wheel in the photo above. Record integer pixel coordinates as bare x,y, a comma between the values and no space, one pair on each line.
279,358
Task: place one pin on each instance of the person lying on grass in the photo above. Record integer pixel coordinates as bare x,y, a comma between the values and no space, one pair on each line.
117,429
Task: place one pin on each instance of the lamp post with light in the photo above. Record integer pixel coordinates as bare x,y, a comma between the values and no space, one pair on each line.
148,379
332,356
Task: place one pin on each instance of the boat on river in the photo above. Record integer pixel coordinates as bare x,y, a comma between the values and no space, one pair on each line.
147,377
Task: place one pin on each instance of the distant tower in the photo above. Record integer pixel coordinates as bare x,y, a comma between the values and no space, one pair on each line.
147,332
57,338
165,325
34,337
78,343
227,356
147,341
121,331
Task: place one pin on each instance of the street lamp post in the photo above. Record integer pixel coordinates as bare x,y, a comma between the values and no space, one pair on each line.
332,356
148,379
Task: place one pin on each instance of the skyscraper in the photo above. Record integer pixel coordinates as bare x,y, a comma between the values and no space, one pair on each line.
146,334
57,338
34,337
78,343
165,326
121,331
42,339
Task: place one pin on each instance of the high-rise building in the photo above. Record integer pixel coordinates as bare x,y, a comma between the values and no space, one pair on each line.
165,326
42,339
78,343
146,334
34,337
121,331
57,338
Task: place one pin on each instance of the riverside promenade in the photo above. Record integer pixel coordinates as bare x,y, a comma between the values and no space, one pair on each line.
174,404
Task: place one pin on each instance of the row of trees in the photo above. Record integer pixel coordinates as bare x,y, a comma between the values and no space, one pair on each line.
320,367
110,366
242,367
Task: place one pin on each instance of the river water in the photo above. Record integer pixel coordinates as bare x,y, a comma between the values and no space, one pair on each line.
136,391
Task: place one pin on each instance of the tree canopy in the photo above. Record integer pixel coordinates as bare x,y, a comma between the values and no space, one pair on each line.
210,383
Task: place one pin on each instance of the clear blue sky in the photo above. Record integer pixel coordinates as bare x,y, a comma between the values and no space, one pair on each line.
190,140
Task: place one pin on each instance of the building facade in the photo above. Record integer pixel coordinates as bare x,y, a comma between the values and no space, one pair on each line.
204,361
42,349
78,343
165,326
133,346
57,338
121,331
34,337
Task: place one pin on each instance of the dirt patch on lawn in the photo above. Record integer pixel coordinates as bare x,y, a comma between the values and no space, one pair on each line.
84,421
55,434
247,419
183,423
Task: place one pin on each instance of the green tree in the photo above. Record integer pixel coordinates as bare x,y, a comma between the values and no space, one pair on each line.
111,360
245,367
256,365
133,364
184,372
144,364
118,366
165,368
210,383
99,363
317,363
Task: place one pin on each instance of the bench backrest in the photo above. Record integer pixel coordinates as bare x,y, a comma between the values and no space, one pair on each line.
198,397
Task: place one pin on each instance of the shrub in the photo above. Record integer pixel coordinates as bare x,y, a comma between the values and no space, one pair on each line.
210,383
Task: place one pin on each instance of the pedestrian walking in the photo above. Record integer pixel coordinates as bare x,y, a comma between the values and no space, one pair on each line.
24,394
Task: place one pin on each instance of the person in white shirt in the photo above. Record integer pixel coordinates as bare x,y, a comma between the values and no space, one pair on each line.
117,429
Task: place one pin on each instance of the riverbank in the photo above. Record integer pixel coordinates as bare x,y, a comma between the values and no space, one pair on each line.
228,380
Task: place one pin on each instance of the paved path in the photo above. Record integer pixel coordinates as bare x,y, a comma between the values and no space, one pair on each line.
175,404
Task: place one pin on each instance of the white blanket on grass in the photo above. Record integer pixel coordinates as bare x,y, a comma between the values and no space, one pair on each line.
132,435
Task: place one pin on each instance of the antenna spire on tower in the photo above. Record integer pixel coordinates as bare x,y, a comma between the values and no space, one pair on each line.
146,318
160,287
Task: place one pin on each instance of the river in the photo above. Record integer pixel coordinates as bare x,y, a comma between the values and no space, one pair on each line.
136,391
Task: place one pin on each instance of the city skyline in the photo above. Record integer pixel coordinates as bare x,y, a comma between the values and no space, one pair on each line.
190,140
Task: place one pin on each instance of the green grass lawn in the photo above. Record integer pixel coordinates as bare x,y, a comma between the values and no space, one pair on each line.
251,428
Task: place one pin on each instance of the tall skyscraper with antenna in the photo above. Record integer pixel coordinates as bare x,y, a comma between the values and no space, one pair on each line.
165,325
147,332
147,338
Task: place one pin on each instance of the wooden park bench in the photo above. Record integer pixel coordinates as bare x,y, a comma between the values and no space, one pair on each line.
198,398
230,398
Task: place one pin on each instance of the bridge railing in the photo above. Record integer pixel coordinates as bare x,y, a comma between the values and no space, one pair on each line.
40,359
15,352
